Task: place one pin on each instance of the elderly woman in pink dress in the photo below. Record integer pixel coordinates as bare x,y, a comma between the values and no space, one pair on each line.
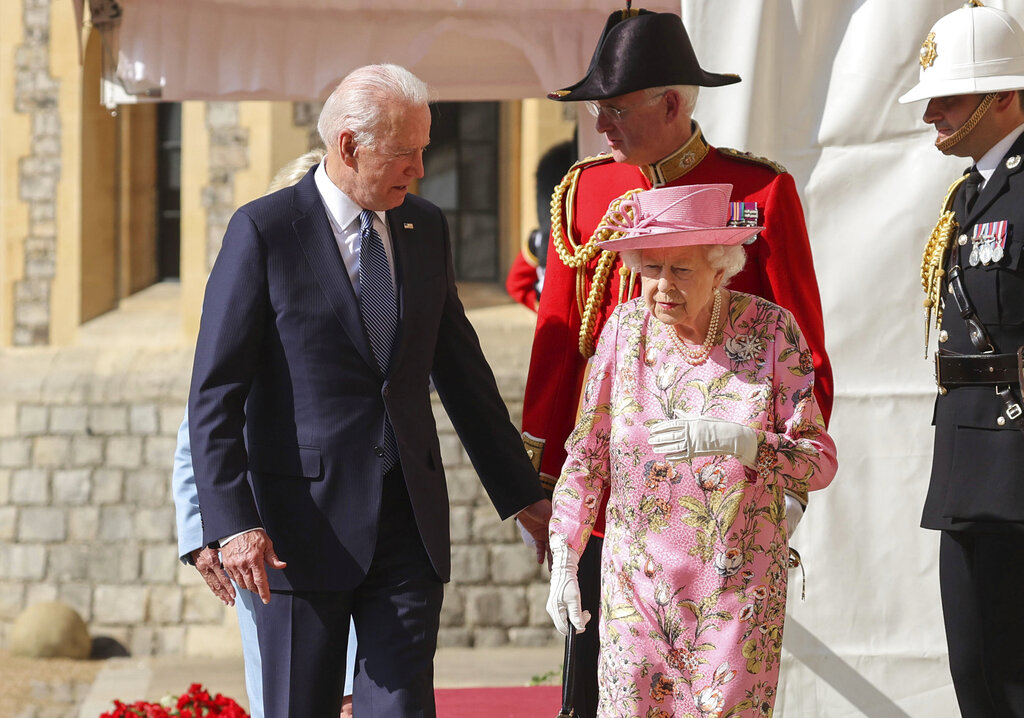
697,414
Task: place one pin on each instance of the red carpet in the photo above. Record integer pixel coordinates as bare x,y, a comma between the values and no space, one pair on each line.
510,702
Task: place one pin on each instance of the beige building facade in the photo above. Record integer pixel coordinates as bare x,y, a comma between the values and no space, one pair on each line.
109,224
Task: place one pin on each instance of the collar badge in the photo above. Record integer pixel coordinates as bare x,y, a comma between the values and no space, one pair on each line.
1012,162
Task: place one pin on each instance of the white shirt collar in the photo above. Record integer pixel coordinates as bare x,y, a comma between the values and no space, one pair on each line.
340,207
990,160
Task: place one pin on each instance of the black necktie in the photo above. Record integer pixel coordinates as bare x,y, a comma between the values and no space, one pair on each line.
378,305
972,186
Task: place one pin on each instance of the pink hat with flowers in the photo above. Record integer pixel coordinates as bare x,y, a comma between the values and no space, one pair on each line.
675,217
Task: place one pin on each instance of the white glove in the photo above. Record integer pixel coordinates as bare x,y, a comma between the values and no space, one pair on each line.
565,589
794,512
685,437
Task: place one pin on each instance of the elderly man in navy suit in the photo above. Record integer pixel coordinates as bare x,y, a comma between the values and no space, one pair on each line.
329,310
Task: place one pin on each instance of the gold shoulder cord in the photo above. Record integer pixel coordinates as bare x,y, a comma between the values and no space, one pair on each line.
933,263
579,256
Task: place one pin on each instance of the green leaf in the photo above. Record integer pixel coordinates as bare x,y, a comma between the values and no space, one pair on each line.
730,507
690,606
624,612
737,710
719,382
628,405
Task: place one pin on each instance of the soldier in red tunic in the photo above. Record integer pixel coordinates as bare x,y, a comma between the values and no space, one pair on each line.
641,86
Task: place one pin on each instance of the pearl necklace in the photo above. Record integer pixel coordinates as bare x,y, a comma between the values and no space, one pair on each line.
696,357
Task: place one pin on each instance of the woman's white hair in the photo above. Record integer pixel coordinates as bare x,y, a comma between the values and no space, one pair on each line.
295,169
361,101
728,258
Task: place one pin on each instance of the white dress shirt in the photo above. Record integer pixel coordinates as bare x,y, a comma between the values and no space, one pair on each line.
344,216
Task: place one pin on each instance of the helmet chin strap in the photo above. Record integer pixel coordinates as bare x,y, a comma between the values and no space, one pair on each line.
966,128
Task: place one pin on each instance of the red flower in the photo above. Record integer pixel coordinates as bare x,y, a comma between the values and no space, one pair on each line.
196,702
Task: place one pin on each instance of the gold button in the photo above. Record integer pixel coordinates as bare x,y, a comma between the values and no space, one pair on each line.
1001,421
943,336
529,452
942,391
962,240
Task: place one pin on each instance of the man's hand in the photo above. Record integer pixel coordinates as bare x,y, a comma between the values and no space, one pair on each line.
534,521
207,562
243,558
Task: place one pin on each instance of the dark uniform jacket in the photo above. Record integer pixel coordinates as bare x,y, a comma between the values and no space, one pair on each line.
977,480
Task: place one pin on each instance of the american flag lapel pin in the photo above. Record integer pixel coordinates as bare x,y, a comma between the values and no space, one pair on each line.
407,225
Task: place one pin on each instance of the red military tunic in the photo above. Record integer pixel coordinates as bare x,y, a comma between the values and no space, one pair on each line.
779,268
521,283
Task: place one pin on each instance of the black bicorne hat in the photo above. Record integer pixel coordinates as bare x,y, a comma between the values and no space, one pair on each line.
640,49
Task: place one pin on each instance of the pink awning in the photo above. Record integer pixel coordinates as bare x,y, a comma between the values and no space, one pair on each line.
299,49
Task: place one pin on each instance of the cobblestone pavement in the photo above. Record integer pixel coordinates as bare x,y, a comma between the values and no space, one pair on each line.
44,688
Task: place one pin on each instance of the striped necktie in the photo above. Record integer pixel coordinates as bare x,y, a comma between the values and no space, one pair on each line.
378,305
377,301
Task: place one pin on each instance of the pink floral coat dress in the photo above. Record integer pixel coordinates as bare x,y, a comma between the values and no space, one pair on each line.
695,555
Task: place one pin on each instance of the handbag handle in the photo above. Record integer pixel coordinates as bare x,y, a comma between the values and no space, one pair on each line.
568,671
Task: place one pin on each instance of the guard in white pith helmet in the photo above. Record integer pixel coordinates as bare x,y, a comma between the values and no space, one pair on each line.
972,73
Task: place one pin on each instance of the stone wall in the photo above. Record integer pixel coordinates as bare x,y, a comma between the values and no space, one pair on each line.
86,443
229,153
36,95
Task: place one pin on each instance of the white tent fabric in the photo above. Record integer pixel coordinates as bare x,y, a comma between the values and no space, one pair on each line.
820,82
300,49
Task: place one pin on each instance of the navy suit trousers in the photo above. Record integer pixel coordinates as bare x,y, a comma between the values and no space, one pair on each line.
396,610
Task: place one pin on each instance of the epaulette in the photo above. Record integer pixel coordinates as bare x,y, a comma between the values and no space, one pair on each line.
748,157
594,160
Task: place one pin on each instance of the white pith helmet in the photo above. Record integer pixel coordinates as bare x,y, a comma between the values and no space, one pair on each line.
973,50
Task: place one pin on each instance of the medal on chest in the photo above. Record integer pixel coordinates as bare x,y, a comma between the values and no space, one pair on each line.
988,243
744,214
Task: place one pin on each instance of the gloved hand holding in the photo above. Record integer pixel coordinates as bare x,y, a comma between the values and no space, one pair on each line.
565,589
794,512
685,437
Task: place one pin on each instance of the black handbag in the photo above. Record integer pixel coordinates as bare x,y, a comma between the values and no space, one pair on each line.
568,672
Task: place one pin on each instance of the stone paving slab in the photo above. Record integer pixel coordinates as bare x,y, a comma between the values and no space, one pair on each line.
132,679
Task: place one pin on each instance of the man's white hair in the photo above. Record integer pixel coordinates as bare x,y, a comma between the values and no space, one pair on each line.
687,94
361,101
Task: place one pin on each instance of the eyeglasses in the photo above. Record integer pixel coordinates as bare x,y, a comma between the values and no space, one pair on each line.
615,114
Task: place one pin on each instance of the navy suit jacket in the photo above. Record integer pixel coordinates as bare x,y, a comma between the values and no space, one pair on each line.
287,405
